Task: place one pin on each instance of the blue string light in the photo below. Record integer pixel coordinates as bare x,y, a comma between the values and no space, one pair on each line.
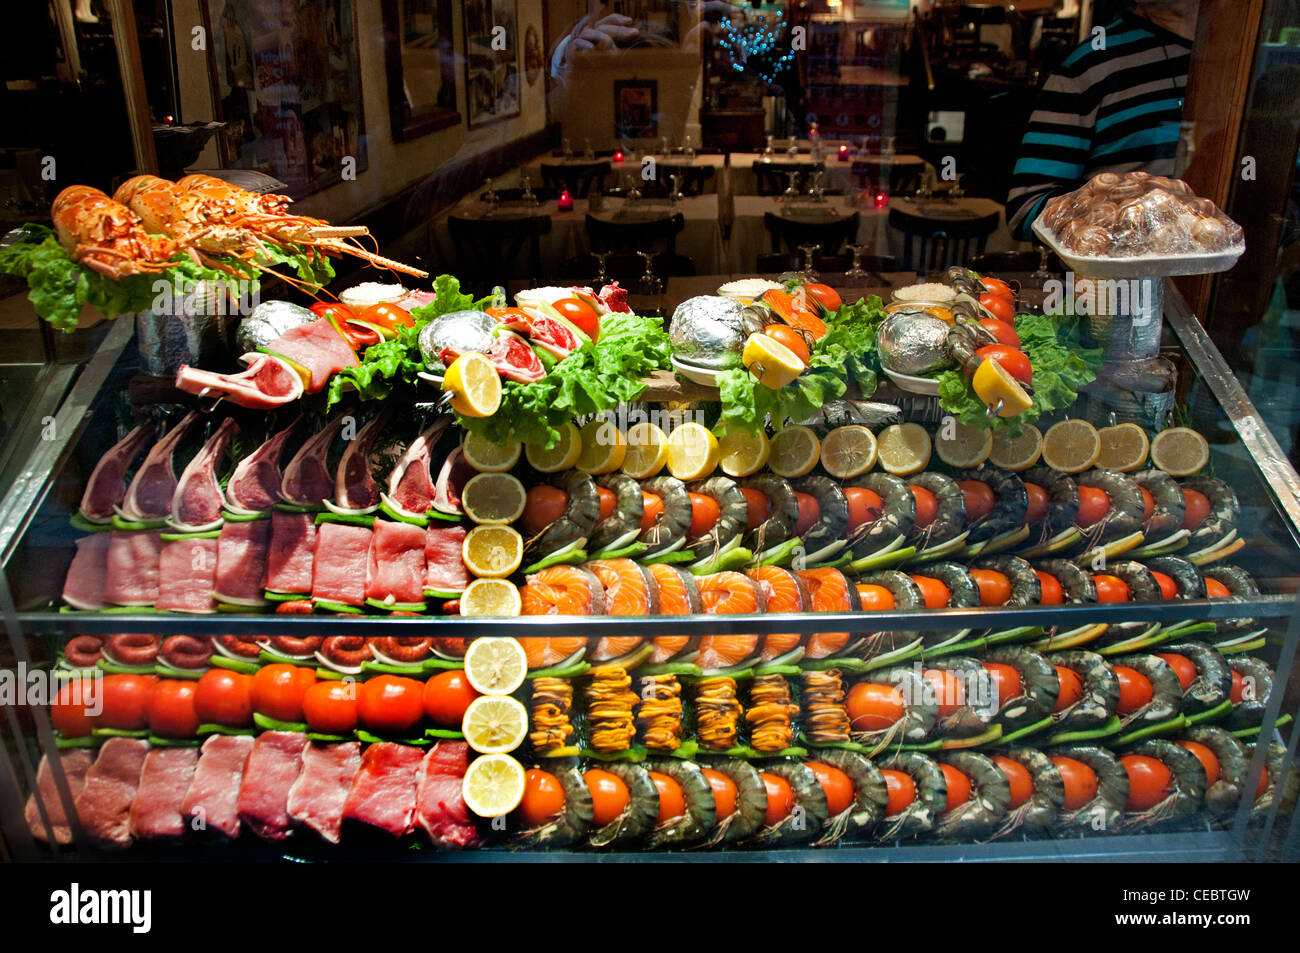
756,41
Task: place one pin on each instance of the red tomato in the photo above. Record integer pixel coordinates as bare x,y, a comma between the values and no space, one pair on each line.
543,797
1018,777
69,709
874,707
835,784
949,692
607,501
1013,361
995,587
927,506
824,295
609,796
1080,781
725,793
759,508
125,701
1148,503
1168,588
865,506
1053,594
958,787
388,316
1134,689
810,512
1110,588
330,707
791,338
901,788
171,709
672,802
1215,589
704,514
1093,505
1149,781
1071,689
1196,508
780,798
1001,308
543,505
978,498
1263,783
446,696
224,698
1183,667
390,703
933,591
335,311
578,312
874,598
652,509
1037,510
278,690
997,286
1001,329
1209,760
1006,679
1237,694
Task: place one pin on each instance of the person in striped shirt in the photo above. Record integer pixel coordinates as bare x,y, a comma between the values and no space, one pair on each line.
1114,105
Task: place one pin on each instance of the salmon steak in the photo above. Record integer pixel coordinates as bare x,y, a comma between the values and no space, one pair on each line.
728,593
830,591
783,592
679,594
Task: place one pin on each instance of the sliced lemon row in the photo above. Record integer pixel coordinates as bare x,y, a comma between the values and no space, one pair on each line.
563,456
647,451
493,785
795,451
693,452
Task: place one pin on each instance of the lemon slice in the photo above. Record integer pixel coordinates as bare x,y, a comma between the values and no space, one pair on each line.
743,454
493,785
488,457
603,447
647,451
563,456
967,447
495,665
849,451
474,385
774,364
795,451
496,597
1180,451
494,724
492,552
993,385
1124,447
692,452
493,498
1071,446
1017,453
903,449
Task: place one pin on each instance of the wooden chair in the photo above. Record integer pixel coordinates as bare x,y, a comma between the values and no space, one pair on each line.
942,243
771,178
578,178
634,236
789,233
491,250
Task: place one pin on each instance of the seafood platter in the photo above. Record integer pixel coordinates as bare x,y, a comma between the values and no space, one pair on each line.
445,574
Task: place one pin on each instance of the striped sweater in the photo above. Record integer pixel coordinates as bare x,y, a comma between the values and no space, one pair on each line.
1114,109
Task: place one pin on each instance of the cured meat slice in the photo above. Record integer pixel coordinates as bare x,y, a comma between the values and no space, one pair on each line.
106,487
268,382
317,346
131,574
156,810
272,768
293,550
149,497
318,796
242,550
416,299
76,763
446,571
104,804
255,485
410,485
456,471
307,480
187,574
354,485
396,571
212,801
83,588
440,807
383,793
339,566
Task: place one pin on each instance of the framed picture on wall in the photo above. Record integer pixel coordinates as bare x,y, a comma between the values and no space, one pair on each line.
492,69
420,60
636,108
286,79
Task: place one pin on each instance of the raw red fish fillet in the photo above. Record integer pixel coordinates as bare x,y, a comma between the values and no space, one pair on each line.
76,762
354,485
293,550
149,497
255,484
442,556
271,770
242,550
318,796
383,794
440,806
267,383
131,576
396,571
317,346
307,479
83,588
212,802
106,487
410,485
187,573
104,804
156,810
339,567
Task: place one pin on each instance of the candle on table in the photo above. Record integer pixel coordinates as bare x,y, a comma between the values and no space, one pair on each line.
565,201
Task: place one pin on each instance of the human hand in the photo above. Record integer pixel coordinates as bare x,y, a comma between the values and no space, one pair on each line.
604,34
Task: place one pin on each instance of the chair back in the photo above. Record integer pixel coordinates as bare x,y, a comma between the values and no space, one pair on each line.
771,178
633,236
774,264
789,233
693,179
626,269
578,178
930,245
493,249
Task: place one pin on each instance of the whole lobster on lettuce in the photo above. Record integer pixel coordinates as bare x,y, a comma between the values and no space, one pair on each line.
105,235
